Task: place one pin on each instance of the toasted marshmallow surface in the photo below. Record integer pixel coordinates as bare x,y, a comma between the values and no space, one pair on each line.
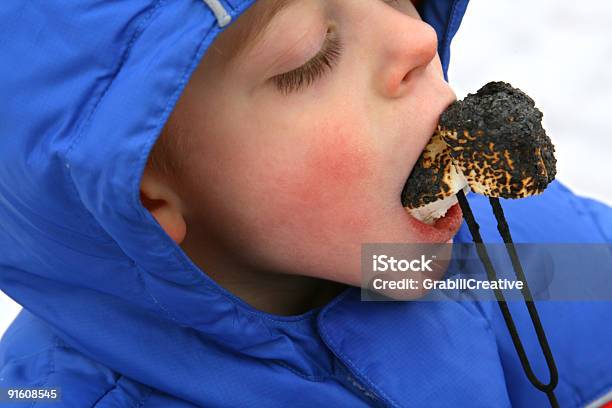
492,141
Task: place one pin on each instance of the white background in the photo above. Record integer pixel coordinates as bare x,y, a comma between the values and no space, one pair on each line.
557,51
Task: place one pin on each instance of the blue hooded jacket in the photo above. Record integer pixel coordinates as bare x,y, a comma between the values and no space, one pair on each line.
115,313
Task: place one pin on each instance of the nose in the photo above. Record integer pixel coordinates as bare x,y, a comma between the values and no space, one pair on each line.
408,45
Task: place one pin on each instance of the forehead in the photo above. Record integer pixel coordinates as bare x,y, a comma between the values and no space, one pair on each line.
249,26
252,24
262,12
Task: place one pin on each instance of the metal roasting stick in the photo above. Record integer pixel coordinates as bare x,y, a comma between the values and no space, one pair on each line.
502,227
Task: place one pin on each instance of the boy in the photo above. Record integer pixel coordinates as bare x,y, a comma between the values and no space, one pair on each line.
324,172
214,275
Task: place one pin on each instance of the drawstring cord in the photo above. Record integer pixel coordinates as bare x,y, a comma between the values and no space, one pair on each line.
223,17
502,227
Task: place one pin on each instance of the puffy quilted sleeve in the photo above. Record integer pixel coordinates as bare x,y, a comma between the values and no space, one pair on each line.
600,213
31,356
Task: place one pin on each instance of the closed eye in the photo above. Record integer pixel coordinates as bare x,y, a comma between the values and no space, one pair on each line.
311,71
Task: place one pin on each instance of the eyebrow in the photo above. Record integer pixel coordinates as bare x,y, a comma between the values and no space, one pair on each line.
258,19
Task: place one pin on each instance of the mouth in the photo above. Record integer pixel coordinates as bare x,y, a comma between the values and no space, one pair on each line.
429,195
435,211
441,229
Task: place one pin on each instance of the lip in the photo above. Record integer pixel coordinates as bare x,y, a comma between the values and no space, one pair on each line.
443,230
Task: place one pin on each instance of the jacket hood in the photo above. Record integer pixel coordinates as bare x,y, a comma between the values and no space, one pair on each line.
89,86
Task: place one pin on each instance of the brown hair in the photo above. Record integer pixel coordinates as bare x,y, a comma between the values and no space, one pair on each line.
170,149
253,24
168,152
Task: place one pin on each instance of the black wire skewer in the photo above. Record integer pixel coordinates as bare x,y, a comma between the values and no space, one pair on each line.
502,227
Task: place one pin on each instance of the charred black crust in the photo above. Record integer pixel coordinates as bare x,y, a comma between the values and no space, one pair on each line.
499,135
424,185
496,138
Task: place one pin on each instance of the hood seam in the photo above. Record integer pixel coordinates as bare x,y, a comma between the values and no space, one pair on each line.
447,37
82,130
137,32
156,303
451,20
312,378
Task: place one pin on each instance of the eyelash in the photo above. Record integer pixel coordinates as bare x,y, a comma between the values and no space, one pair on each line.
307,74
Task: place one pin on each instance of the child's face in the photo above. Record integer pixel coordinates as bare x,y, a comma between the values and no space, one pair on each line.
292,172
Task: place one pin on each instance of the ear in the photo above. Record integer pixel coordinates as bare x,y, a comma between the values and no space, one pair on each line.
164,204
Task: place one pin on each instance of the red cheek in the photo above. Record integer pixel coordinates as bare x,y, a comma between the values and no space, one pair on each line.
339,159
330,188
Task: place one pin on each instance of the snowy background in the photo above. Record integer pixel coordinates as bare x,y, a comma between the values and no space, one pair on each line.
557,51
560,53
